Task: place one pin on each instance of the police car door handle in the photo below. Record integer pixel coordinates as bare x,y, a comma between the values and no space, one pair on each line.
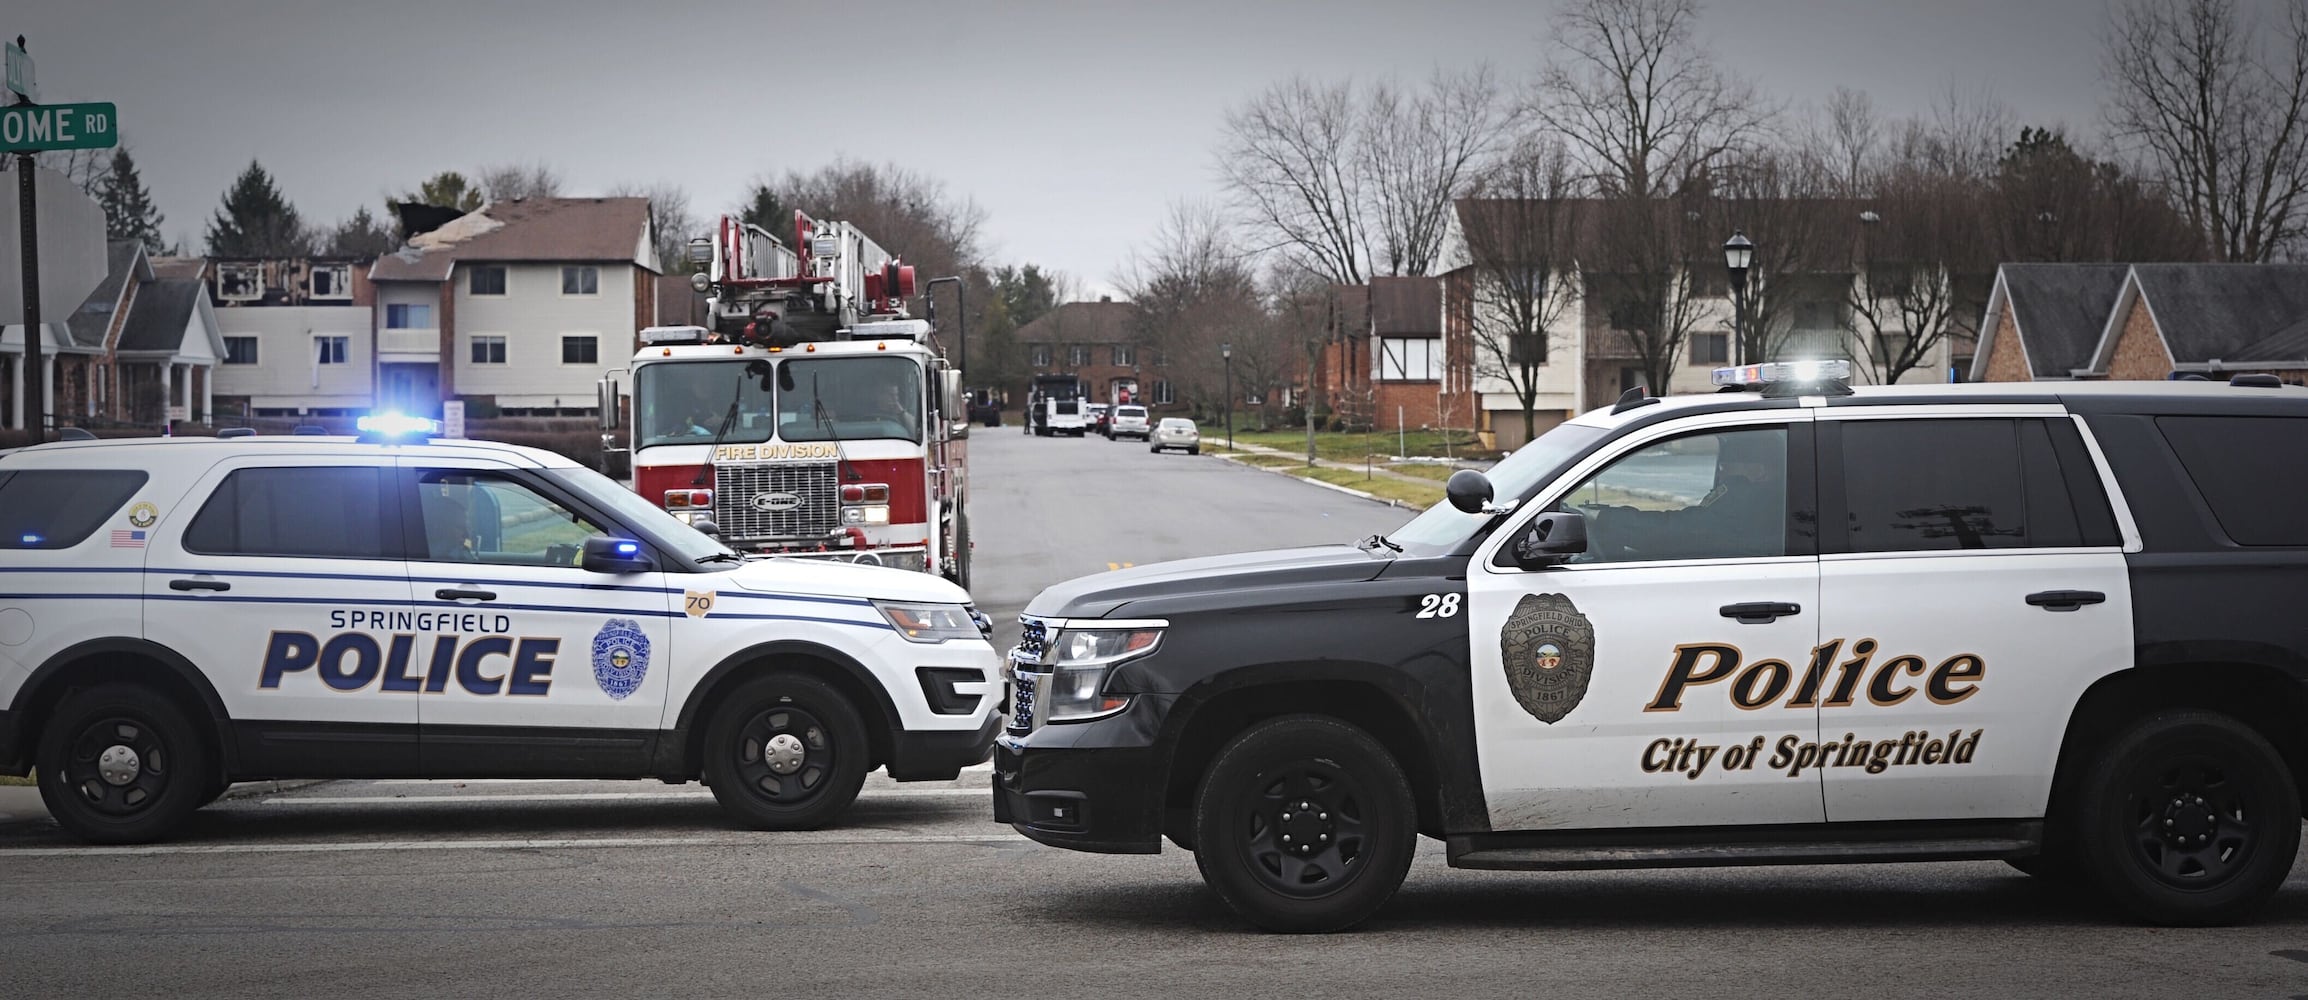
2065,600
461,594
1760,612
216,585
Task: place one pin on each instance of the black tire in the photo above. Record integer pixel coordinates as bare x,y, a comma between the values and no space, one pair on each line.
962,545
824,732
2188,818
1362,814
215,790
1154,449
122,764
1196,450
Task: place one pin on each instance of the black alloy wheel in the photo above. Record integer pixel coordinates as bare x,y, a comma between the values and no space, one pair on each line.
122,764
2190,818
785,752
1304,824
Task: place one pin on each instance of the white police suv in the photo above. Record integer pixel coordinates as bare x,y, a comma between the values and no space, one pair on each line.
177,614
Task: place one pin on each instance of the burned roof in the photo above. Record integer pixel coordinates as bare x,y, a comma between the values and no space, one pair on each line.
543,230
2062,310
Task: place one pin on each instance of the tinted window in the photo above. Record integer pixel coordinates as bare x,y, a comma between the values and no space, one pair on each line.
2252,471
488,518
1924,485
1715,495
60,508
317,512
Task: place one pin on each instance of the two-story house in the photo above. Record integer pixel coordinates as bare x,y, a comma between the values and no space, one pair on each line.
298,336
518,307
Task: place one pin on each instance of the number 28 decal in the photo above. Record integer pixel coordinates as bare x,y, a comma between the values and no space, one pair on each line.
1438,606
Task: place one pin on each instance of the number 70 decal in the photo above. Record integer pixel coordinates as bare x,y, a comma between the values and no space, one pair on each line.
1438,606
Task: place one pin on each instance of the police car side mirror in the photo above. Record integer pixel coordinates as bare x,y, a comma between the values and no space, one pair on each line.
604,554
1469,491
1551,538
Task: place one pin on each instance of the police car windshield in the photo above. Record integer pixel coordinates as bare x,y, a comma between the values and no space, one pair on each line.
686,402
686,542
1444,527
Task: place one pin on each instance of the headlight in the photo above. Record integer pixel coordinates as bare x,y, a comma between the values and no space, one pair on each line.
929,622
1081,660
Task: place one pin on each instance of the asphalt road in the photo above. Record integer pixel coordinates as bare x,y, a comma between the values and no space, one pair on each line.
639,889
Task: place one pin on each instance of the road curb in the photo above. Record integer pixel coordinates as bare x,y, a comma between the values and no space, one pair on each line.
244,789
1349,491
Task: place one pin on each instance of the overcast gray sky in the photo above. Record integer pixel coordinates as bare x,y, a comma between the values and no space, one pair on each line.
1071,124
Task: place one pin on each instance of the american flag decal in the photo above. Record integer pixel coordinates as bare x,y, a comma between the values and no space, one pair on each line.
128,539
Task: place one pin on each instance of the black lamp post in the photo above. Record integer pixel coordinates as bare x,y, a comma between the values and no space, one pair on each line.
1226,354
1738,256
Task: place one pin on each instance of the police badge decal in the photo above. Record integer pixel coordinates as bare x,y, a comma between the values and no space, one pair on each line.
1548,649
620,657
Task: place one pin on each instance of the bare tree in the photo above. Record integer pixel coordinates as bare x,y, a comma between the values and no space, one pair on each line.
908,213
1849,136
1288,157
1918,235
2224,120
510,181
1191,290
1963,136
670,221
1779,198
1639,99
1417,154
1642,272
1521,226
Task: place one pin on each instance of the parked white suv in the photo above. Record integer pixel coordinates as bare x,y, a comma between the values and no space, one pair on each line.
1128,422
177,614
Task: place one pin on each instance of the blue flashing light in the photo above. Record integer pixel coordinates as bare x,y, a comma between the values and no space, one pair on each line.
397,425
32,539
628,548
1795,372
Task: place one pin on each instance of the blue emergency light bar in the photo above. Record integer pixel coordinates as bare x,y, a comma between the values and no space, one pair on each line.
1798,372
396,425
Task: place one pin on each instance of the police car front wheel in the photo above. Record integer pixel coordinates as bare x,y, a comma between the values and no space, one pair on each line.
1304,824
2189,818
785,752
121,764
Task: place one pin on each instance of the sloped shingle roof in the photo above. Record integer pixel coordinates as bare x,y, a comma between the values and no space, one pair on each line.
160,314
93,319
597,230
1080,323
2062,311
1406,306
2229,312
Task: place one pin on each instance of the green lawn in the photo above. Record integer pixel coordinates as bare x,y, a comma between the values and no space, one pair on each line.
9,779
1352,447
1418,495
1423,470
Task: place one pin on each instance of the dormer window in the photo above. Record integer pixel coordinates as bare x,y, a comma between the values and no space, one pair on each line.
332,282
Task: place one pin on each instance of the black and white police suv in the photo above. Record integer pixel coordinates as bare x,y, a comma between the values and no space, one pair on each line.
177,614
1787,623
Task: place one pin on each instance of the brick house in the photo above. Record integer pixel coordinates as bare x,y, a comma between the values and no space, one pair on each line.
139,349
518,307
1093,341
2145,321
1388,360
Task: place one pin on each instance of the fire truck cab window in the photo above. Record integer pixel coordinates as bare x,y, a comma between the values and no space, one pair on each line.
849,399
686,403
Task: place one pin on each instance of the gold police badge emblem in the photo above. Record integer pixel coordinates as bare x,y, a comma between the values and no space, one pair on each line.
1548,649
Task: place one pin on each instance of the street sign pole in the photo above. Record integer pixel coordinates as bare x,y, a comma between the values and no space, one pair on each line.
28,216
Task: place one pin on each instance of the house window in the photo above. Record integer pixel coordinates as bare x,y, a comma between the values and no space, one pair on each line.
407,316
580,281
1041,353
1078,354
489,349
1527,349
489,279
1406,359
239,282
585,350
332,281
1162,394
1710,348
1819,315
331,350
240,350
1125,355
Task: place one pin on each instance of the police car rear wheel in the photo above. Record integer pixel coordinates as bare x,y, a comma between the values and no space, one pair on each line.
1304,824
785,752
120,764
2190,818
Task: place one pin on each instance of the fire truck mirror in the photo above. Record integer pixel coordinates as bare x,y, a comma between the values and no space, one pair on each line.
606,390
950,395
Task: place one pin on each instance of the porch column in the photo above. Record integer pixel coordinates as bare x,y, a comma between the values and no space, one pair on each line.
167,390
208,394
16,399
47,389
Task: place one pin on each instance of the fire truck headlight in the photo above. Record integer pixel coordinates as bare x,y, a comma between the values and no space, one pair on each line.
929,622
877,514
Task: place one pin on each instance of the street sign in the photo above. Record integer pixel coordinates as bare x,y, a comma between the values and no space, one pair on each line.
20,77
32,128
453,419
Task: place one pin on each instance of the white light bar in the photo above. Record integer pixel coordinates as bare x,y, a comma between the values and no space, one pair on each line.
673,335
909,329
1784,371
397,425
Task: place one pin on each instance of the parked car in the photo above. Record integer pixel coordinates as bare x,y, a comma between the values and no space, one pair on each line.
1176,432
1127,421
1098,414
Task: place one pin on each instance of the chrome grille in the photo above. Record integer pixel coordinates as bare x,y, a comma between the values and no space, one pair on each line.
1032,637
736,489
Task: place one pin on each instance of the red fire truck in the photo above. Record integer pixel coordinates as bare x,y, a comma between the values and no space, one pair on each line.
814,418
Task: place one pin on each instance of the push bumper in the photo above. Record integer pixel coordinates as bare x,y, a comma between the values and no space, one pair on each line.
1066,786
940,756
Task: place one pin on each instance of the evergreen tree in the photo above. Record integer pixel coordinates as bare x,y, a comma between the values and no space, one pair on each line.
765,209
364,235
447,189
129,213
257,221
